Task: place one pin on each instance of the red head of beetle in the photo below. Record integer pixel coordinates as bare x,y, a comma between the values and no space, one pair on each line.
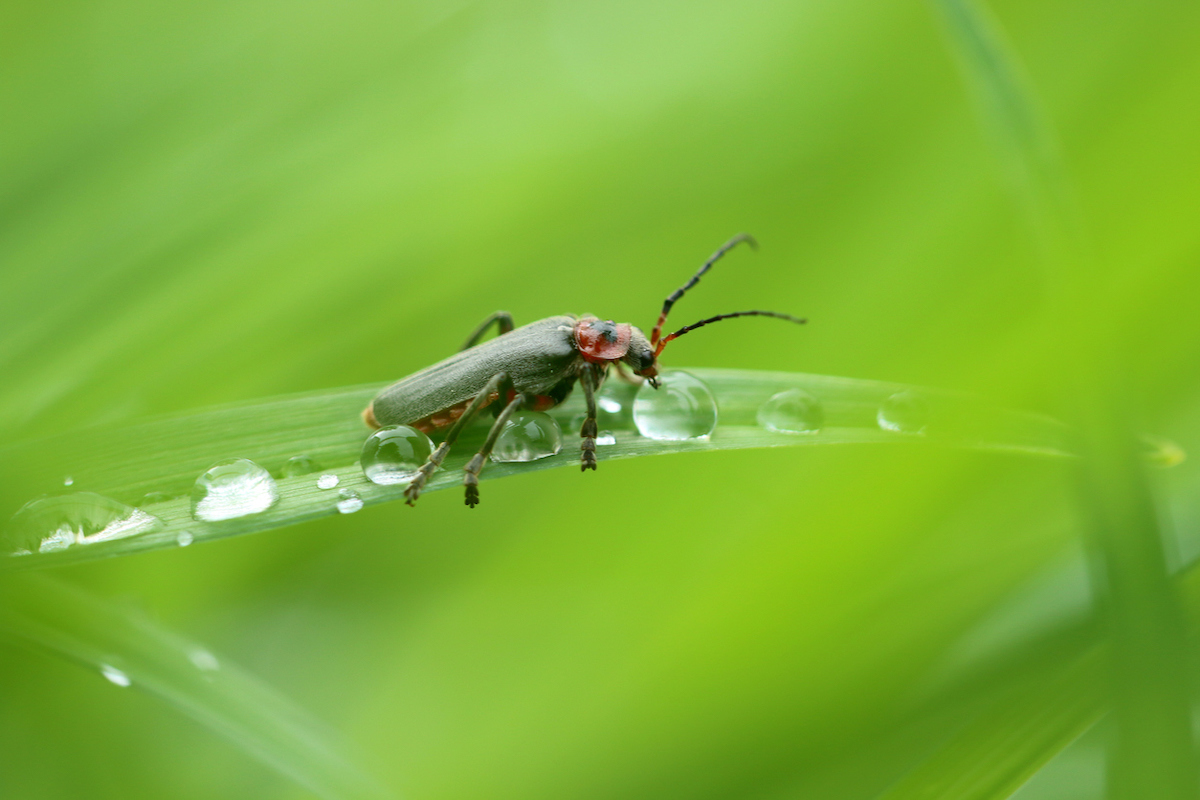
602,341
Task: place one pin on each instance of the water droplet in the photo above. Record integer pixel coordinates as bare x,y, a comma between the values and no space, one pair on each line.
903,412
184,538
327,481
49,524
608,405
202,659
1160,452
299,465
114,675
232,489
682,408
155,497
528,436
349,502
67,481
792,411
393,455
605,437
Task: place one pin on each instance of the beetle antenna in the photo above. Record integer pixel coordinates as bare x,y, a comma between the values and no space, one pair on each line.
719,317
678,293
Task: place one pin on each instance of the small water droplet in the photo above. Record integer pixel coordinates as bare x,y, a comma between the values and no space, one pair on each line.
605,437
682,408
327,481
394,455
114,675
349,502
299,465
184,538
231,489
903,412
792,411
50,524
155,497
67,481
608,405
528,436
202,659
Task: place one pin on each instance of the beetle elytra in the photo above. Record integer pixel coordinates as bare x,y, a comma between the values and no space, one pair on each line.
535,367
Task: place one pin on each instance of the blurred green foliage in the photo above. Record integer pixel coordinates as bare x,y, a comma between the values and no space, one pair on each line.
216,202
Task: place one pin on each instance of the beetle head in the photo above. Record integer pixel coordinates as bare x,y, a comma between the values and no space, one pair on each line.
641,357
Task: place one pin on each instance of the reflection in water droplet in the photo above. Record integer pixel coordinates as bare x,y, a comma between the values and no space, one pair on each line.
114,675
299,465
792,411
605,437
67,481
49,524
394,454
682,408
528,436
903,412
327,481
608,405
232,489
1161,452
202,659
184,538
349,502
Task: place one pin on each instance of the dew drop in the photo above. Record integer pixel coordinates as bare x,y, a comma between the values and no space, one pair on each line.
327,481
393,455
528,436
348,502
68,480
114,675
231,489
682,408
50,524
792,411
605,437
903,412
608,405
299,465
184,538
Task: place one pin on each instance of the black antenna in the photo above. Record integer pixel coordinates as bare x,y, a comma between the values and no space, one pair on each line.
678,293
719,317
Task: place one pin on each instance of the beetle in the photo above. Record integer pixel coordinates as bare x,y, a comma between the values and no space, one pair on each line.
535,366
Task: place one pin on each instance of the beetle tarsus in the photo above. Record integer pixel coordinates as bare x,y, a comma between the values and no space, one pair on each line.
588,454
428,468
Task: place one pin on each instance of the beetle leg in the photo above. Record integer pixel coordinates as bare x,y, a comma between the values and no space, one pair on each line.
504,321
439,455
475,465
588,431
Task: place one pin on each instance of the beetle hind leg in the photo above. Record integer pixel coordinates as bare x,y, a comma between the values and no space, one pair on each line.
435,459
475,465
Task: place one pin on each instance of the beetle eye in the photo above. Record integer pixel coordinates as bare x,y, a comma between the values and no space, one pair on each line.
647,360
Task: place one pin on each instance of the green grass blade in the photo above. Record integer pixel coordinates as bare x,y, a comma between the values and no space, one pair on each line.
167,455
132,651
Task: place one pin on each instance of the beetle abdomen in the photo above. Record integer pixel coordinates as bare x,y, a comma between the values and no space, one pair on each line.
537,357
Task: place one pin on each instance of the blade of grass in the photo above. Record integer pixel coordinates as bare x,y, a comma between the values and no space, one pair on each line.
167,455
131,651
1154,753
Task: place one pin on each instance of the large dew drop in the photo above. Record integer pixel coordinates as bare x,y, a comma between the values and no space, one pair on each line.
395,454
903,412
232,489
49,524
682,408
528,436
792,411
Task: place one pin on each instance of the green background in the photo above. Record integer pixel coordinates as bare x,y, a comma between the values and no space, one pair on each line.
208,203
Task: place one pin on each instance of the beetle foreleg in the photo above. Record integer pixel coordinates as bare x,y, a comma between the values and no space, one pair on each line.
435,459
503,320
475,465
589,429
